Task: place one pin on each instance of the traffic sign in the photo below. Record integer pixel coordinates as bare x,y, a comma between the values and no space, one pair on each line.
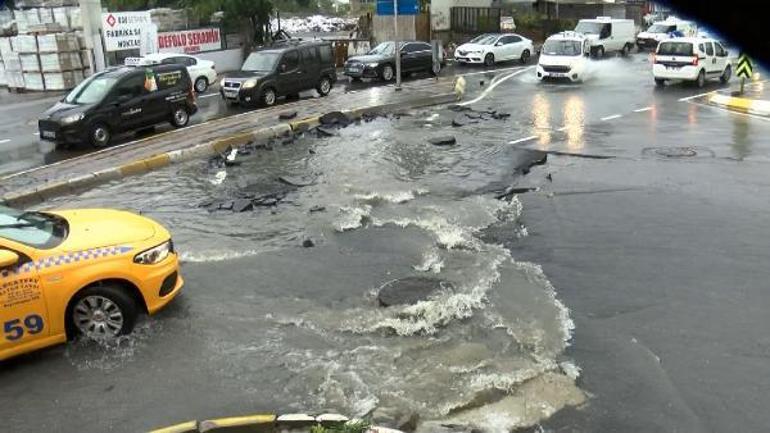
745,69
405,7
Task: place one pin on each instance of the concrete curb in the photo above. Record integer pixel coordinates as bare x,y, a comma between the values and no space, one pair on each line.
757,107
262,135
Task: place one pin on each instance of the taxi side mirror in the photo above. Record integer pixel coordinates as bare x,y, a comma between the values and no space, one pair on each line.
8,259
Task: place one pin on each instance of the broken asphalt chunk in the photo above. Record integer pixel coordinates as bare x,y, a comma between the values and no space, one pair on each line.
242,205
324,132
293,181
317,208
287,115
335,118
447,140
410,290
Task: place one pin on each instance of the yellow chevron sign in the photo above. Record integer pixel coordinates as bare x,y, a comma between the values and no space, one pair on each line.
745,69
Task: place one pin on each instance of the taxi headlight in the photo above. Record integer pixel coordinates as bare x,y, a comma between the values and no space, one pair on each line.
248,84
72,118
154,255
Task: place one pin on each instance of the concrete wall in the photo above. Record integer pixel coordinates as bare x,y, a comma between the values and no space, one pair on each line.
440,15
382,28
226,60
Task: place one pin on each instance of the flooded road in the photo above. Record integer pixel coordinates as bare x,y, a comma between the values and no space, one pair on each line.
267,324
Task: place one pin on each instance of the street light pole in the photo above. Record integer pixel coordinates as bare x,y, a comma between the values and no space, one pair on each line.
396,48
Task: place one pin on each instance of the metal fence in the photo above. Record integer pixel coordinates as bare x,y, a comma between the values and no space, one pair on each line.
475,20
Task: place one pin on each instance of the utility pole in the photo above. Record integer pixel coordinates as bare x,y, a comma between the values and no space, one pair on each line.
557,10
396,48
91,16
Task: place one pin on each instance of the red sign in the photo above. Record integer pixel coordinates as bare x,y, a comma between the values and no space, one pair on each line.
111,20
189,41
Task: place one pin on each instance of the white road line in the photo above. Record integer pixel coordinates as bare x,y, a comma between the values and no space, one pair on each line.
696,96
642,110
5,140
36,133
492,86
613,117
493,71
563,128
208,96
521,140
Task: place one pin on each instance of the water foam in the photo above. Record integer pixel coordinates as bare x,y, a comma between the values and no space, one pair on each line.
431,262
352,217
212,256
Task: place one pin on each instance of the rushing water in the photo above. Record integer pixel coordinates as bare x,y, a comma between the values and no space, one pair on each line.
486,352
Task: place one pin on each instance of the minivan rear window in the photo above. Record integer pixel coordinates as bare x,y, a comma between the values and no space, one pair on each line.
675,49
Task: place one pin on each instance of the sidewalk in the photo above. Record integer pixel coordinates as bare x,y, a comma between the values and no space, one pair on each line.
754,100
206,139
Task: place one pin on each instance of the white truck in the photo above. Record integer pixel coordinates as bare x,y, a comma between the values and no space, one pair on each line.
607,35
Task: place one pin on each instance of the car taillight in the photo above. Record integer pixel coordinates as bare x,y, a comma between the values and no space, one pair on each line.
654,58
695,61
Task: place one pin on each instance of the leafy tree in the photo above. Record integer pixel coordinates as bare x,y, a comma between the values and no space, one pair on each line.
252,17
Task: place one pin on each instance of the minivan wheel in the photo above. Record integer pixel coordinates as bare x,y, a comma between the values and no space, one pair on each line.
180,117
387,73
99,135
324,87
726,75
201,84
701,79
659,82
268,97
626,49
103,312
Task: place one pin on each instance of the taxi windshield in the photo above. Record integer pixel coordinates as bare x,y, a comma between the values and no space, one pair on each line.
260,62
92,90
562,47
35,229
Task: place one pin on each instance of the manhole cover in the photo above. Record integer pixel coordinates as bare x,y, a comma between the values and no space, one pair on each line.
676,152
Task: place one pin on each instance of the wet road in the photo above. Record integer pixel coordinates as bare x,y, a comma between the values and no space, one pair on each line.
655,255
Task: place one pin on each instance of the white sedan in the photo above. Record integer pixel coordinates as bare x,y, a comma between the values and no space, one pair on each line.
491,48
202,72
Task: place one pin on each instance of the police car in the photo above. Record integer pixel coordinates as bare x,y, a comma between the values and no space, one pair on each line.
86,271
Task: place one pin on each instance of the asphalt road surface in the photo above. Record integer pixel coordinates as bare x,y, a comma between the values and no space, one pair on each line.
626,292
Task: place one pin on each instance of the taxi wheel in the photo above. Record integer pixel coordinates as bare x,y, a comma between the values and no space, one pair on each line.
726,75
268,97
201,84
180,117
99,135
103,312
701,81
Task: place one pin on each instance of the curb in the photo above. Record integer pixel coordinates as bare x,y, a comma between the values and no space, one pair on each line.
757,107
262,135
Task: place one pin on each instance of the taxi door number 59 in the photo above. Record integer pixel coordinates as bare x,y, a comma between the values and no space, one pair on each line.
33,324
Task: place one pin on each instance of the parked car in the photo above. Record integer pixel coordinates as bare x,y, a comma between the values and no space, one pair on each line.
286,70
563,56
380,62
202,72
608,35
120,99
491,48
86,271
691,59
664,30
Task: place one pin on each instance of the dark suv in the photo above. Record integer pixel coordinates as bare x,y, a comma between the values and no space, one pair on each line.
120,99
287,70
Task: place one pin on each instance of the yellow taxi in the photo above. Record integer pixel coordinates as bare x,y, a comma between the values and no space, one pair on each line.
86,271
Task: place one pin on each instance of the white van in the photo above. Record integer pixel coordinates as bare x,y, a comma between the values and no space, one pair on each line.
606,35
663,30
564,56
691,59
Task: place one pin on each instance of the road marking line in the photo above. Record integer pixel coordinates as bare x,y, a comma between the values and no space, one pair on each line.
36,133
521,140
563,128
5,140
208,96
613,117
696,96
642,110
492,86
492,71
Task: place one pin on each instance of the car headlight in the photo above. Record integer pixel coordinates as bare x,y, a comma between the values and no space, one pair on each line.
248,84
72,118
373,65
155,254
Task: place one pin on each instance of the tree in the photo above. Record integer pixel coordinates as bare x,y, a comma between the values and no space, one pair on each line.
252,17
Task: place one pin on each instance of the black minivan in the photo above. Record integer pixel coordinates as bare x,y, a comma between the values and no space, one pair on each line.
284,70
120,99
